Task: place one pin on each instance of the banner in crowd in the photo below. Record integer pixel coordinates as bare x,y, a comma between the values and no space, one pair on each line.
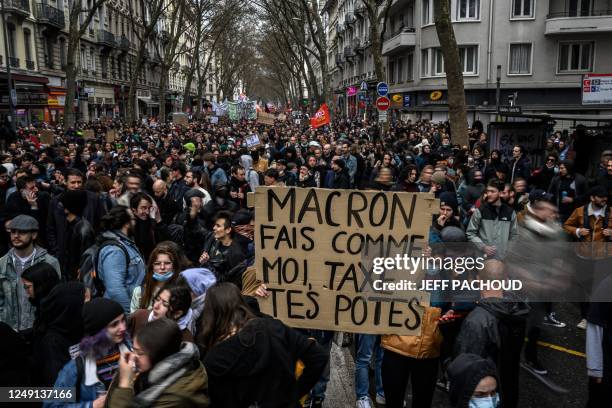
252,140
220,109
232,110
321,117
265,118
314,251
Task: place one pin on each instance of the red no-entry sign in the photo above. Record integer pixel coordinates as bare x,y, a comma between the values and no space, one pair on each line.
382,103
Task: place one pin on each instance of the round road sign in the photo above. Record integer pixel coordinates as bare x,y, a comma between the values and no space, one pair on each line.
382,103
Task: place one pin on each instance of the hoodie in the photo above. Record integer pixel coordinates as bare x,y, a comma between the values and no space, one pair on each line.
256,367
464,373
199,281
15,309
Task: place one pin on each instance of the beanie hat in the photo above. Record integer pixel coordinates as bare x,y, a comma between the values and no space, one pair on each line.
74,201
452,234
450,199
98,313
464,373
439,177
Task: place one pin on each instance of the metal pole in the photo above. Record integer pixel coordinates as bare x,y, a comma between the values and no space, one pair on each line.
8,70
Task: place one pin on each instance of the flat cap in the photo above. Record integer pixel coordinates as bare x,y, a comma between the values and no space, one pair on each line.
23,223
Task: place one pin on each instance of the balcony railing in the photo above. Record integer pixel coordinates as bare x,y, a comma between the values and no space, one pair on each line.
123,42
106,38
50,15
30,65
21,7
14,62
578,14
348,52
392,33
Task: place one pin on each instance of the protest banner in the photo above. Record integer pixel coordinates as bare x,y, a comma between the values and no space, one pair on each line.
321,117
314,249
111,136
265,118
89,134
214,120
47,137
232,110
252,141
180,118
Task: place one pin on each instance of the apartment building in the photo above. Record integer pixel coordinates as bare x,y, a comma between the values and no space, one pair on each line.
37,34
543,48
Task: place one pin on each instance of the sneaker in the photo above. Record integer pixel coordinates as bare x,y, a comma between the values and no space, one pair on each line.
551,320
582,325
536,367
380,399
314,403
364,402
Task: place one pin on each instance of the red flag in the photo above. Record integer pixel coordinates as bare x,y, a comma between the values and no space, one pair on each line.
321,118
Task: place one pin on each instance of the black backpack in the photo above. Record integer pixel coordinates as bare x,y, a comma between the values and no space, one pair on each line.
88,274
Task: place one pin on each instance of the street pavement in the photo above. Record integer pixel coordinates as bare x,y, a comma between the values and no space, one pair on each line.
558,353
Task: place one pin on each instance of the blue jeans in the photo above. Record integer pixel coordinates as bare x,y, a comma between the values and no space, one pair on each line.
324,338
367,345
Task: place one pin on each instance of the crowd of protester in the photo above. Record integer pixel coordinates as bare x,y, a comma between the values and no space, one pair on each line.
123,262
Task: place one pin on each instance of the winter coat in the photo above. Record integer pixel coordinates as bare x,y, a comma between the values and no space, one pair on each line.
9,303
595,245
238,186
256,366
575,187
119,282
78,239
491,225
342,180
426,345
520,168
177,381
177,190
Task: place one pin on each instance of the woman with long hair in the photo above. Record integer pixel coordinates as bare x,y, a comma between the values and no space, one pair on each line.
164,266
251,361
163,371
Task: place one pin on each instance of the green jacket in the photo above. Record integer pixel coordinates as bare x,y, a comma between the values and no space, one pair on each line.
178,381
9,307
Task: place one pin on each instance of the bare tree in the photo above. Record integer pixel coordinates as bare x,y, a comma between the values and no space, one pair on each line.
378,26
454,72
79,19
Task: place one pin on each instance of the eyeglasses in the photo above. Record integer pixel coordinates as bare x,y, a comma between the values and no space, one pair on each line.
163,302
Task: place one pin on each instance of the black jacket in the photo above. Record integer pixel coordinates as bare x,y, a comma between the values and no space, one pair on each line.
495,329
520,168
342,179
256,367
238,186
177,190
79,235
575,187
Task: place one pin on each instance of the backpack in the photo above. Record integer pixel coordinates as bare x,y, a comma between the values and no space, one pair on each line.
87,272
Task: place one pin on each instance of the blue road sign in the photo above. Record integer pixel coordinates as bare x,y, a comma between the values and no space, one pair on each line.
382,88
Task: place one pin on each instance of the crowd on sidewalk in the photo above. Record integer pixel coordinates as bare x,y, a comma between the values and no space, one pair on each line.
123,261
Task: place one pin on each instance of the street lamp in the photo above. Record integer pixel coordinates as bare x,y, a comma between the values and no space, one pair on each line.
12,94
498,91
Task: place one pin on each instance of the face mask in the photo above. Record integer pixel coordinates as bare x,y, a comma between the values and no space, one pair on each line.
484,402
162,277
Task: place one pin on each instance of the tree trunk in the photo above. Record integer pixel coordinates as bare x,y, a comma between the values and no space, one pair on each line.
162,92
454,73
71,73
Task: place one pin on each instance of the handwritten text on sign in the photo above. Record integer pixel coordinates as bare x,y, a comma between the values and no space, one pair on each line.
314,249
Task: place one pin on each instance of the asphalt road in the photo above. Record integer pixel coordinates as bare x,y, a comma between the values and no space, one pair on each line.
558,355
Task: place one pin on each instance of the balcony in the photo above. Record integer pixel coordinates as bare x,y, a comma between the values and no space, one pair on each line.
18,7
568,22
30,65
356,44
13,62
400,40
50,16
349,52
106,38
123,43
349,18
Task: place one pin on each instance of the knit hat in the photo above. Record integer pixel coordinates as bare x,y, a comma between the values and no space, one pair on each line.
450,199
464,373
74,201
439,177
98,313
452,234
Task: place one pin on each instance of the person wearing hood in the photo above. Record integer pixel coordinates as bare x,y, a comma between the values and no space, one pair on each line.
342,178
97,357
120,265
495,329
447,216
252,176
38,280
79,234
198,280
473,382
58,328
470,191
15,308
251,361
495,168
569,189
163,371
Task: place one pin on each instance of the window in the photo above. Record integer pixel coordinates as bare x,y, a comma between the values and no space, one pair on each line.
468,9
27,44
576,56
469,59
11,40
400,70
83,59
49,52
63,52
438,61
425,63
92,60
520,59
410,67
578,8
522,8
392,71
428,12
210,87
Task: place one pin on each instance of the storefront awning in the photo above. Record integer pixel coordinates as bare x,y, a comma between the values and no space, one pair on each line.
148,101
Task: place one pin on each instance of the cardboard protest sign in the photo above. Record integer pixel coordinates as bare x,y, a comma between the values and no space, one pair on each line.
179,118
89,134
111,135
314,249
265,118
282,117
252,141
47,137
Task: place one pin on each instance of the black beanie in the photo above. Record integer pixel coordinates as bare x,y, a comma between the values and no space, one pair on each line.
464,373
74,201
98,313
450,199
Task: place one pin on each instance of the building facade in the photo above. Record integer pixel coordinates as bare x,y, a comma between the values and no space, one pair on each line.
540,48
37,35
